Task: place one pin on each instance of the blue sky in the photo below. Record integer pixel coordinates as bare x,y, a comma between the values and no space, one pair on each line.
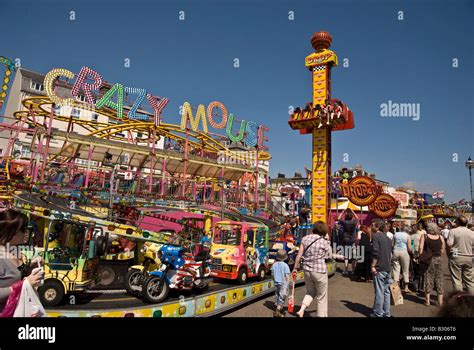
407,61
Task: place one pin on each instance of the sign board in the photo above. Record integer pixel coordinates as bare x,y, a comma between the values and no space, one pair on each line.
402,197
406,213
364,191
361,190
384,206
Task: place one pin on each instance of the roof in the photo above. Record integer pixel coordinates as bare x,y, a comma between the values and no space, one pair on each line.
139,156
38,77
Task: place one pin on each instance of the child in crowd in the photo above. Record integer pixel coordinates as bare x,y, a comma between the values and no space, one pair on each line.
281,275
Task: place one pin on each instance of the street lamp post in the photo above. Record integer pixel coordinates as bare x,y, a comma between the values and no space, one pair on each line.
470,165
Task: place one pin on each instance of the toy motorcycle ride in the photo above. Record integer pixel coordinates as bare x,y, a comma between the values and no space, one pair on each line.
179,270
137,274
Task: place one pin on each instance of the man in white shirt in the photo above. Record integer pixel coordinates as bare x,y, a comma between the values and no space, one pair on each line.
445,231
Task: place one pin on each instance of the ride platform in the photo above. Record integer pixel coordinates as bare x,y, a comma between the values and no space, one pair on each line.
221,297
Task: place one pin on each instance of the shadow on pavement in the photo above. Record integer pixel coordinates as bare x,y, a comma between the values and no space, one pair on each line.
269,305
357,307
414,298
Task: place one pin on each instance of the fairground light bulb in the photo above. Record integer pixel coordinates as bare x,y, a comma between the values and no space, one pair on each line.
210,108
188,114
106,100
49,80
240,135
85,86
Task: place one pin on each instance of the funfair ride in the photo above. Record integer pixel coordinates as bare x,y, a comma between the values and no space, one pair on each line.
123,181
320,118
116,154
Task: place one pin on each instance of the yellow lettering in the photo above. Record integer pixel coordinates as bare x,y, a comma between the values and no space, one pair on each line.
49,80
188,114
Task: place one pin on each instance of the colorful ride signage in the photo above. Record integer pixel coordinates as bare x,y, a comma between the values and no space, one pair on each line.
322,57
88,80
289,190
384,206
364,191
361,190
252,133
402,197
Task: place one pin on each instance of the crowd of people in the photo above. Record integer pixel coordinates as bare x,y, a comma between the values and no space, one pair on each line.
412,257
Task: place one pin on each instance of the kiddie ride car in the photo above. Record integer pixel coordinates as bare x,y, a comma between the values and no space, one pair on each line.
71,256
178,270
239,250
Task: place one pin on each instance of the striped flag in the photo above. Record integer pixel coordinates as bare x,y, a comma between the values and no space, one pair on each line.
438,194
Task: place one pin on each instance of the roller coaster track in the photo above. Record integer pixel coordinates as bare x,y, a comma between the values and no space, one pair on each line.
41,107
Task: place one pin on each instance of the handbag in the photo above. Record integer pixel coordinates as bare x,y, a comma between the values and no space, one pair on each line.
397,296
425,259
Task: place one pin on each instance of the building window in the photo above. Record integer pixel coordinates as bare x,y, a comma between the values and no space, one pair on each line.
81,98
57,110
120,134
36,86
76,113
95,117
25,152
139,135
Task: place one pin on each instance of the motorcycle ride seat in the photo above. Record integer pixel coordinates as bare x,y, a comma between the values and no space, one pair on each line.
201,256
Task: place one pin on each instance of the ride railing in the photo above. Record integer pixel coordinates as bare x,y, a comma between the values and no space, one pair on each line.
275,207
168,188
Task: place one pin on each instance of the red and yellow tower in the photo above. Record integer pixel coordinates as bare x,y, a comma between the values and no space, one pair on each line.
319,118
